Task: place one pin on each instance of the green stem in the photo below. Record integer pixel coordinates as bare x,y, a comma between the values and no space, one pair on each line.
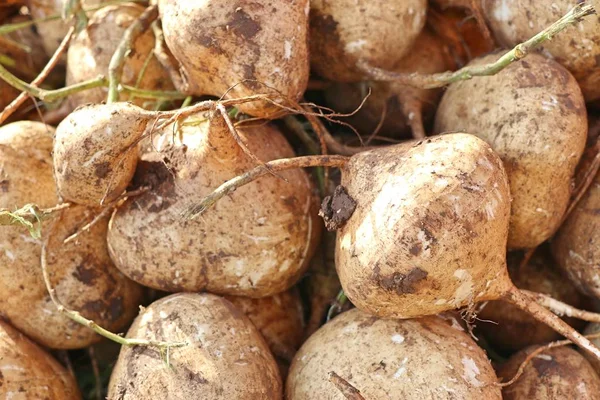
432,81
6,60
117,62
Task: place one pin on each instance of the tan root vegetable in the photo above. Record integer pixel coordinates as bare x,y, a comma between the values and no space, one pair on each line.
279,319
7,94
422,229
558,373
256,243
53,31
391,359
258,46
225,358
29,372
396,107
91,51
506,327
575,246
379,33
95,152
577,48
533,115
80,271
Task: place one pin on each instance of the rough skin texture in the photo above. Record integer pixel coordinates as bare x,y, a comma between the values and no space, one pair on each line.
220,44
509,329
533,115
52,32
225,358
593,328
576,244
29,372
95,152
559,373
255,242
91,50
279,319
426,358
429,230
577,48
380,33
81,271
427,56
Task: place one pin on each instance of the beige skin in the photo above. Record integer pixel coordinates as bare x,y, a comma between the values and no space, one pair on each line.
255,242
533,115
343,32
509,329
575,246
81,271
225,356
279,319
398,101
424,358
220,44
429,230
576,48
559,373
91,50
95,152
52,32
29,372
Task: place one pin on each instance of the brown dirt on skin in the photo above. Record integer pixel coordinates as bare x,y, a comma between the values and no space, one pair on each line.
337,208
398,282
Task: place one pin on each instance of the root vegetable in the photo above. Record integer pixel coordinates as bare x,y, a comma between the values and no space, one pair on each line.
391,359
422,229
257,243
29,372
509,329
558,373
533,115
279,319
399,106
91,51
52,32
577,48
225,358
593,328
574,246
235,49
81,271
344,32
95,152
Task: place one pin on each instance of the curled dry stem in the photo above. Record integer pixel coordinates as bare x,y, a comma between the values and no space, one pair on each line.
105,210
117,62
345,387
537,352
272,166
521,50
561,309
166,59
77,317
17,102
529,304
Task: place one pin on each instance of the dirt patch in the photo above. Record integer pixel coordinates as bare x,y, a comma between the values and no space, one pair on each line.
337,208
399,282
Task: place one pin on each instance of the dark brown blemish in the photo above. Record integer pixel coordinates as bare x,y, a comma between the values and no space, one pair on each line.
102,169
4,185
87,276
399,282
115,308
543,366
324,23
243,25
337,208
210,43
